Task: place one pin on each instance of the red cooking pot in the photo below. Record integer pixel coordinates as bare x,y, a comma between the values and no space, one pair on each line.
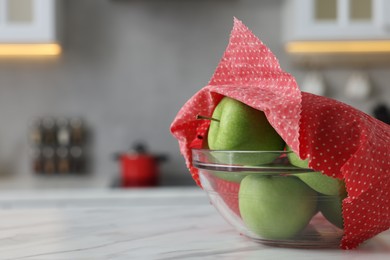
139,168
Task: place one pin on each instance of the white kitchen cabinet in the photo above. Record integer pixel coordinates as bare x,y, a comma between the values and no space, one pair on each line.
330,32
336,20
28,21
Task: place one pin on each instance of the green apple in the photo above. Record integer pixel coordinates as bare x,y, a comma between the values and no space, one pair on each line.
295,160
230,176
276,207
322,183
331,209
239,127
238,176
316,180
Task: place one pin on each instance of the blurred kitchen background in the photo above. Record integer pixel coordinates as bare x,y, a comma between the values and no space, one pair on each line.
123,69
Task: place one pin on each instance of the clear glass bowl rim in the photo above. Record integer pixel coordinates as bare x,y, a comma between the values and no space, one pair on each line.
213,166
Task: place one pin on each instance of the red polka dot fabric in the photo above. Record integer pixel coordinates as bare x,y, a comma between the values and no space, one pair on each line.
339,140
229,193
343,142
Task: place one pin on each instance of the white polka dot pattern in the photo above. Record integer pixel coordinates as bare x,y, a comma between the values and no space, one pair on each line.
249,64
339,140
346,143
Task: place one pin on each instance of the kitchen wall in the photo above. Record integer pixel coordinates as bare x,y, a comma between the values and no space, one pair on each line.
127,68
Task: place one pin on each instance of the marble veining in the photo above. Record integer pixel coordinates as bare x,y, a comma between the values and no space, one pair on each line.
158,224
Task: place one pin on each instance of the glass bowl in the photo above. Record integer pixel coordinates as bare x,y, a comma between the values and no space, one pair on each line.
265,198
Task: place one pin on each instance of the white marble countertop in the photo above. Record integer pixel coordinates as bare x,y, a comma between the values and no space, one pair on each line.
166,223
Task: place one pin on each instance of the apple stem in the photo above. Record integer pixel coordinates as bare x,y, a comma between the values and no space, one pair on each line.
198,117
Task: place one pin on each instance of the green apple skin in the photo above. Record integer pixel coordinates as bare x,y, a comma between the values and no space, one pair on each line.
331,209
230,176
243,128
295,160
316,180
322,183
275,207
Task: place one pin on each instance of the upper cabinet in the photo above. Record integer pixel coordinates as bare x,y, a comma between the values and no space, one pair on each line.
28,21
337,19
336,27
29,27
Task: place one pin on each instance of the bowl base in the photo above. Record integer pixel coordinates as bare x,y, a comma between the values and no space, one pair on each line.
319,234
301,244
297,244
